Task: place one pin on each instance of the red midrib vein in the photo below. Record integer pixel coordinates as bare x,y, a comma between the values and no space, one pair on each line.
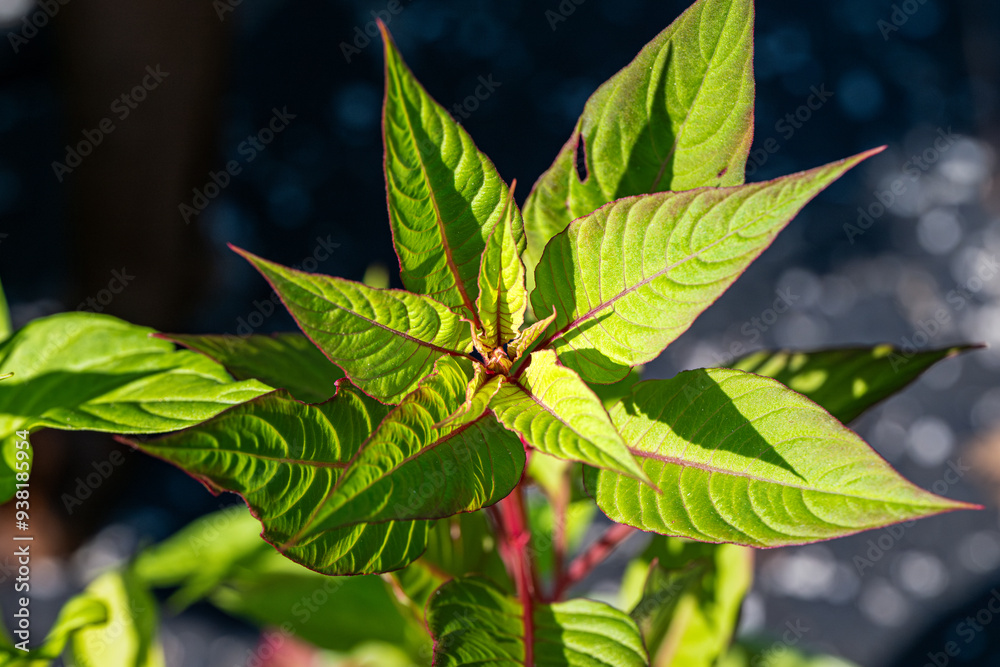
396,332
295,538
439,221
645,281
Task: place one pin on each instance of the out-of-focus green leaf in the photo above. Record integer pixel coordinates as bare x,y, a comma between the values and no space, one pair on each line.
776,654
846,381
128,636
690,599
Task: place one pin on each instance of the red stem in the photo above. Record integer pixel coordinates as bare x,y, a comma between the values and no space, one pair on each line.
592,557
514,540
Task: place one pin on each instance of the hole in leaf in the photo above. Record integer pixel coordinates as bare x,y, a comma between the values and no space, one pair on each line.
581,159
722,173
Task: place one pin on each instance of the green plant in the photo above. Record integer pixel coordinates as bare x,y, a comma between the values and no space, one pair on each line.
485,411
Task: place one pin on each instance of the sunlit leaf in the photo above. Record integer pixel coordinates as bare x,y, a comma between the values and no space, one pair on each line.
445,197
283,458
128,636
502,295
741,458
556,413
679,117
385,340
84,371
631,277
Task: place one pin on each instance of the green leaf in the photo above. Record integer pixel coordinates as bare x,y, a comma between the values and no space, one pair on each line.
338,500
679,117
84,371
478,394
283,361
221,556
522,346
614,392
502,296
577,517
691,600
741,458
324,611
128,637
631,277
385,340
445,197
5,326
846,381
459,545
9,465
556,413
283,458
79,612
415,467
203,555
474,622
776,653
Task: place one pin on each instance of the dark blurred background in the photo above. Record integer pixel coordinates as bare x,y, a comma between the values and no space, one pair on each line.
161,96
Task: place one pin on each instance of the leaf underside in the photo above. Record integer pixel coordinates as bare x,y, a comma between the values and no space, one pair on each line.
557,414
85,371
740,458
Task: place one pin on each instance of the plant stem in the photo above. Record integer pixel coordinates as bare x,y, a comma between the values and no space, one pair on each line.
515,537
592,557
